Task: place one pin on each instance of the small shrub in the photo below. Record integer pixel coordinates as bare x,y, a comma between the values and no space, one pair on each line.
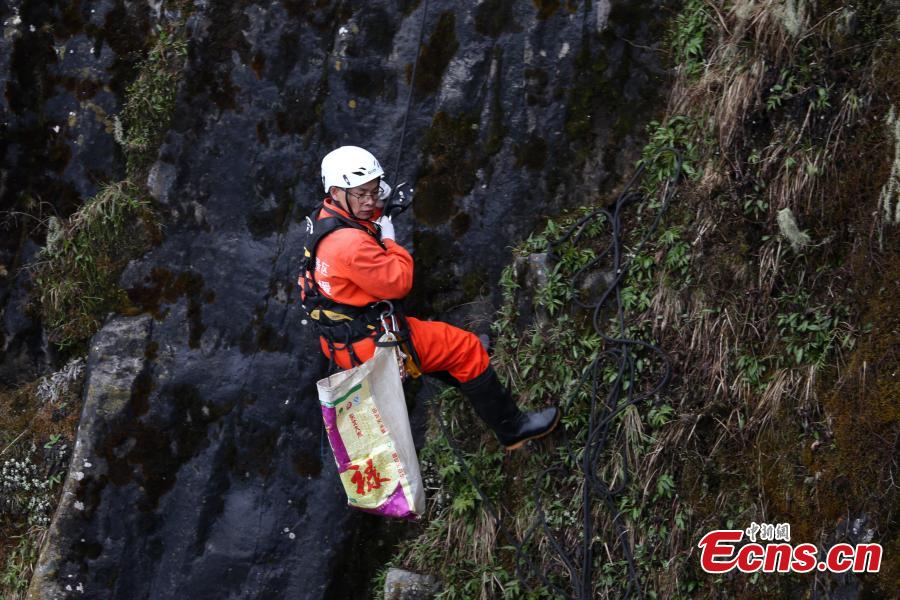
688,35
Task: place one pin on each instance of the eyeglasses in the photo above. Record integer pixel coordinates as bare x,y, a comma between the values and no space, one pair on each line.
375,194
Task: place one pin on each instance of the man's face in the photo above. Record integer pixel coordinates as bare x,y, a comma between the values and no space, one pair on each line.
361,199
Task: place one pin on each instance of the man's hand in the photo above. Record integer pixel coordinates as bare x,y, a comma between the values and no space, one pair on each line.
387,227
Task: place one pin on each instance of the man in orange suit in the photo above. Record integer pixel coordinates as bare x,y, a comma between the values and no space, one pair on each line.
353,270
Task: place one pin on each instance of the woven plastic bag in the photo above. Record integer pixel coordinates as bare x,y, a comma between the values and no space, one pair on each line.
368,428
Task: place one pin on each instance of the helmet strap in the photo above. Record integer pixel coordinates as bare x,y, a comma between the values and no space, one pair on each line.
348,207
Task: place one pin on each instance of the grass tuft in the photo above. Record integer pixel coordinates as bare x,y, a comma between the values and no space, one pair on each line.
76,274
150,100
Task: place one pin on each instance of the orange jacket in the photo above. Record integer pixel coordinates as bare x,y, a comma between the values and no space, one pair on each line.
351,268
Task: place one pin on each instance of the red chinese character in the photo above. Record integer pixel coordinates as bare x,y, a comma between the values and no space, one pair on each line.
372,480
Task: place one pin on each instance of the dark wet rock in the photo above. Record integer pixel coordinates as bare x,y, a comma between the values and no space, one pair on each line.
853,530
57,71
405,585
23,345
532,273
210,480
594,284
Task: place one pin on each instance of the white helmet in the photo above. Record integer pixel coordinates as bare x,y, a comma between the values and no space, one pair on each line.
349,166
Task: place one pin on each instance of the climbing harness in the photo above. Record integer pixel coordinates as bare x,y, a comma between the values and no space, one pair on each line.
346,324
342,323
621,394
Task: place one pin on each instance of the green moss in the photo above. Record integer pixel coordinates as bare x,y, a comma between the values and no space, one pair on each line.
451,164
263,223
474,283
408,6
460,224
589,88
376,38
141,389
269,340
493,17
162,286
546,8
596,98
320,14
532,154
536,80
435,55
302,109
150,454
365,82
437,287
306,464
258,64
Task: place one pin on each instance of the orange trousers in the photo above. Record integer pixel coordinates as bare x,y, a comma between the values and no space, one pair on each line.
441,347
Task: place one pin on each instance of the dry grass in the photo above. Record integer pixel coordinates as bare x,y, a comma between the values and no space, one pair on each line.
751,41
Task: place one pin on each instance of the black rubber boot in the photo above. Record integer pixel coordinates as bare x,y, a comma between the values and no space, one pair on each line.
494,405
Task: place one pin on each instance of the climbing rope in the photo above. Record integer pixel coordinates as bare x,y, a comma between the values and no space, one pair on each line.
397,209
621,395
601,416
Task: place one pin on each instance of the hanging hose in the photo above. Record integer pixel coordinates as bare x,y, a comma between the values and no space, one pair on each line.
601,416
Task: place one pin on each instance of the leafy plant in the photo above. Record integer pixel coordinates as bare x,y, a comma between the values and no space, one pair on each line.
781,91
809,333
669,141
16,574
688,37
752,371
821,100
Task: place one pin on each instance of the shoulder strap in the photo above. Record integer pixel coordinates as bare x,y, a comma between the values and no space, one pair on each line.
345,222
316,230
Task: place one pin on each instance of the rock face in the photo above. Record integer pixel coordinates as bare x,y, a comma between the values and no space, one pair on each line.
59,68
208,477
403,585
115,363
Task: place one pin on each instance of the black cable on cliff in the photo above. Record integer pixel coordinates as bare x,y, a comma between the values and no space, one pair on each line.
601,416
409,97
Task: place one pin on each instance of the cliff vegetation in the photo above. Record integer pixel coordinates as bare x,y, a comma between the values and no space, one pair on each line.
770,282
75,282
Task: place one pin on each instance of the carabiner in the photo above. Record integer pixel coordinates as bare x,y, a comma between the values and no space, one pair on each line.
387,313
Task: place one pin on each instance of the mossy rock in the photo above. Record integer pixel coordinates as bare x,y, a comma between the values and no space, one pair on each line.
434,56
450,168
